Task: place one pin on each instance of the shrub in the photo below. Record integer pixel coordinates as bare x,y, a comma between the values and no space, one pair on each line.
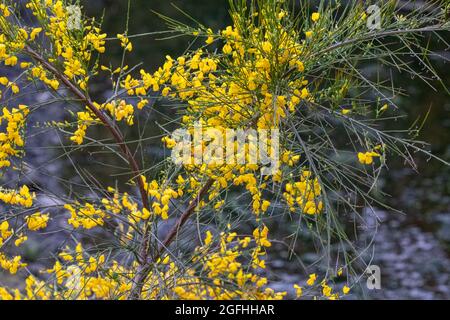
278,67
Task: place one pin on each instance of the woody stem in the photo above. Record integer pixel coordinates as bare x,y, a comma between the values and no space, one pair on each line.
116,134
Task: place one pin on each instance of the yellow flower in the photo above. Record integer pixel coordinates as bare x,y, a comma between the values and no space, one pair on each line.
11,61
11,265
315,16
166,260
227,49
66,256
300,66
219,204
23,197
4,232
37,221
5,10
15,88
267,46
24,65
261,237
208,238
312,279
367,157
298,290
265,205
210,38
35,32
345,290
20,240
142,103
170,143
165,91
4,81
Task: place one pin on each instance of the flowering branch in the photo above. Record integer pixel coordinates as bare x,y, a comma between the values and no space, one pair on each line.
144,268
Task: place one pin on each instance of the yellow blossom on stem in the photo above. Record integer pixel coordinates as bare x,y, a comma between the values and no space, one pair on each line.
312,279
298,290
367,157
345,289
315,16
37,221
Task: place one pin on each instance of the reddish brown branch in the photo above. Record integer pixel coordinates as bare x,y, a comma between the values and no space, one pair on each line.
145,268
184,217
115,132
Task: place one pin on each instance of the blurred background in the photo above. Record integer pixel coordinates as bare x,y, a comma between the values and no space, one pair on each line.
412,248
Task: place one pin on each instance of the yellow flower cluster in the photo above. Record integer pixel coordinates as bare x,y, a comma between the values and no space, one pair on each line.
84,276
261,241
120,110
73,49
85,118
89,215
222,100
162,197
11,265
367,157
74,53
124,205
225,268
34,289
20,240
5,232
14,264
304,194
39,73
8,50
250,182
12,139
86,216
257,81
22,198
125,42
37,221
326,291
